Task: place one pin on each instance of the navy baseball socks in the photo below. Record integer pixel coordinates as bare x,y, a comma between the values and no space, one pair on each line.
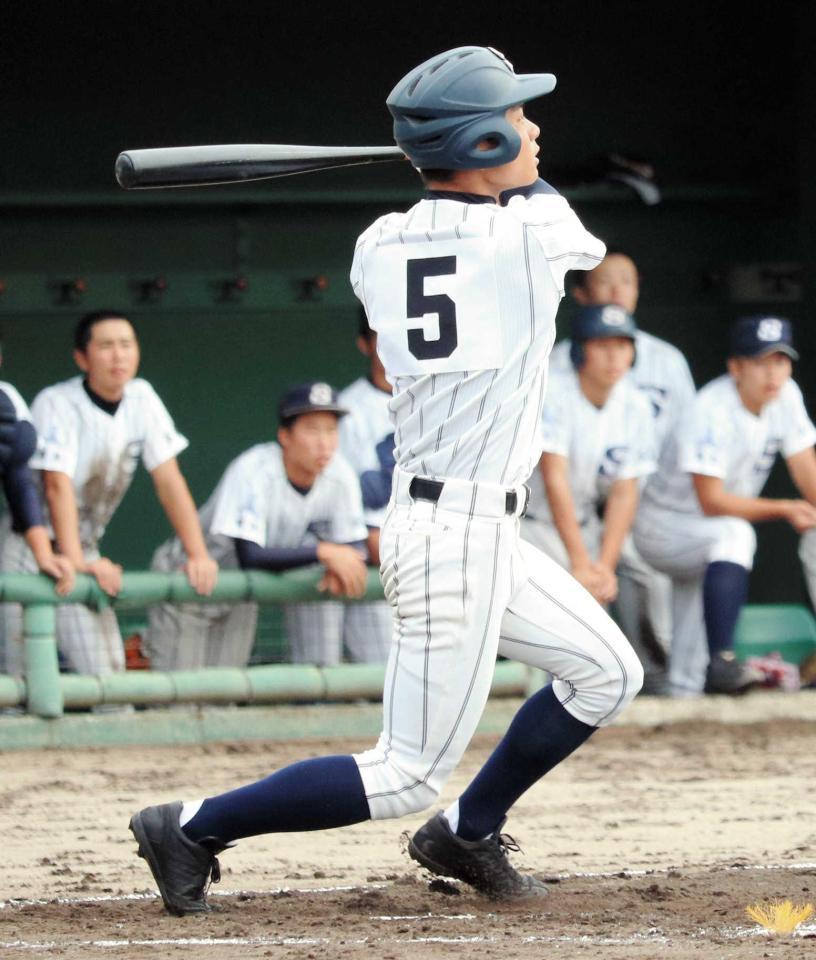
466,841
309,795
541,735
725,590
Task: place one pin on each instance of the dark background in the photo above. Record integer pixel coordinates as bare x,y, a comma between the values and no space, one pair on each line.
718,97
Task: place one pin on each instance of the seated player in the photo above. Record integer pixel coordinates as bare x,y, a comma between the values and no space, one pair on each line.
18,441
695,521
598,442
661,371
93,430
278,506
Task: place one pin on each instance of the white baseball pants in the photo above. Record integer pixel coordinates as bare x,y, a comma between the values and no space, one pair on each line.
682,545
464,587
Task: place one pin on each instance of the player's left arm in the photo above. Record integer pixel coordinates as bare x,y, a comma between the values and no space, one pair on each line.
619,515
177,502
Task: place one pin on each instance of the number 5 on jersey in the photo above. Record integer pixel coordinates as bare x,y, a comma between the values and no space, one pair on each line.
436,307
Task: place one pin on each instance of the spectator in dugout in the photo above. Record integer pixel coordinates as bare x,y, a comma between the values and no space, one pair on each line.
93,430
18,441
277,506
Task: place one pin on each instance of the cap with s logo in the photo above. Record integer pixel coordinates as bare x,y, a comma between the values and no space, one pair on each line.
761,335
313,397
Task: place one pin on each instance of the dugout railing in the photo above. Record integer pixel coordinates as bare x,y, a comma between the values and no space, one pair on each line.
45,692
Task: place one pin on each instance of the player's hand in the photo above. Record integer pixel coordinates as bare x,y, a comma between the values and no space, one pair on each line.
801,515
108,575
347,565
331,583
586,575
62,570
606,585
202,573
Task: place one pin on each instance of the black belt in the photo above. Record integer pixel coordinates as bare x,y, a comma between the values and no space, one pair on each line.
421,488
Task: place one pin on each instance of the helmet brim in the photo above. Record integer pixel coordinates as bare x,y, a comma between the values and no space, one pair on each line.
532,85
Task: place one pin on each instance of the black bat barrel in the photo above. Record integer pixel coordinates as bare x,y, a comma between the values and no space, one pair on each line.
235,163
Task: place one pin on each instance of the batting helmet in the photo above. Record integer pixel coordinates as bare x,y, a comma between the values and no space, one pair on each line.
591,323
444,108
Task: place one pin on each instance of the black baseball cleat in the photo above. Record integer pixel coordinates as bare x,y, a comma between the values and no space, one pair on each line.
182,868
725,674
483,864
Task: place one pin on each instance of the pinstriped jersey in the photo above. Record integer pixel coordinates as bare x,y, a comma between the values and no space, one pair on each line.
100,451
602,445
463,297
660,370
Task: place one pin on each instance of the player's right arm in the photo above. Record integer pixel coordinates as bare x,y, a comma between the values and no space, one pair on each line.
62,506
716,501
555,473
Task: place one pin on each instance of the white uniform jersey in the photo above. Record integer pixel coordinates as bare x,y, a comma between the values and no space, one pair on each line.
255,501
660,370
615,442
721,438
463,297
100,451
367,423
20,406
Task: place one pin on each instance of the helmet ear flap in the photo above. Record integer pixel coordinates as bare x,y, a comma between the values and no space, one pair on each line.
577,353
506,143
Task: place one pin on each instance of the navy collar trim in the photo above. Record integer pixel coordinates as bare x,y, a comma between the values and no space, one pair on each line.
109,406
456,195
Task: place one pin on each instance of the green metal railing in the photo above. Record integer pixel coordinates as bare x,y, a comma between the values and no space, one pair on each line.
47,693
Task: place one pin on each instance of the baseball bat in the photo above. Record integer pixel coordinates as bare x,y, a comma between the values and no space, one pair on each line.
235,163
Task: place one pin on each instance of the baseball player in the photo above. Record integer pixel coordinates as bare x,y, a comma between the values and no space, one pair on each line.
462,290
660,370
367,443
278,506
598,438
93,430
695,522
18,441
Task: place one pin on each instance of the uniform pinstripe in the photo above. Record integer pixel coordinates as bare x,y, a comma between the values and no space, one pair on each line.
461,584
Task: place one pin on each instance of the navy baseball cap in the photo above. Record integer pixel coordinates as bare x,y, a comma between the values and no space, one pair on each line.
312,397
759,336
607,320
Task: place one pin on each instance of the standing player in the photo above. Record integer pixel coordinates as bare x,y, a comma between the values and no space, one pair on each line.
462,291
278,506
660,370
697,510
93,430
598,437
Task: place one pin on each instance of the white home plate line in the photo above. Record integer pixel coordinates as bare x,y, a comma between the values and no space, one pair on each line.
274,891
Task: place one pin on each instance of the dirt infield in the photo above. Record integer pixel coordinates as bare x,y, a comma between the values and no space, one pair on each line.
654,839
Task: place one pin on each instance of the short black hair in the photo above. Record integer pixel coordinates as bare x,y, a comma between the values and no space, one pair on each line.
84,329
363,326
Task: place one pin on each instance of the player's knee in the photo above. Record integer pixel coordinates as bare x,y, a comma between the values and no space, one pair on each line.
613,685
736,542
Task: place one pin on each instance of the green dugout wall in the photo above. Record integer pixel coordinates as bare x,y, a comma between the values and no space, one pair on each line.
723,110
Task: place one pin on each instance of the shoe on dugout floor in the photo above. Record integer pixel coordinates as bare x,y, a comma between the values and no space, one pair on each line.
725,674
182,868
481,863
